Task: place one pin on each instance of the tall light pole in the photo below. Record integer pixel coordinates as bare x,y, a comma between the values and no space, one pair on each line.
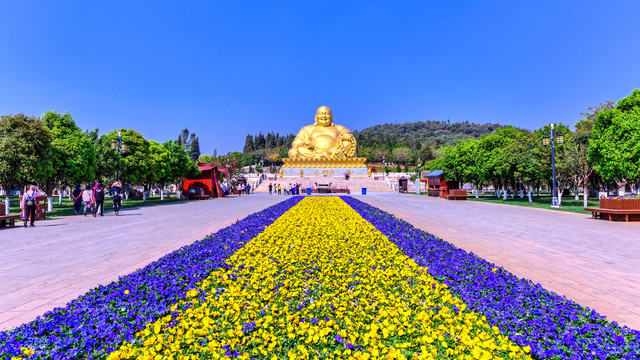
121,148
545,141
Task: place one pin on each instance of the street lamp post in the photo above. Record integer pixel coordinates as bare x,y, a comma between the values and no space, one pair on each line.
545,141
121,148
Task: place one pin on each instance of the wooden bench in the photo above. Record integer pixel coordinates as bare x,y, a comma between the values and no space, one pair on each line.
201,196
4,218
613,214
457,195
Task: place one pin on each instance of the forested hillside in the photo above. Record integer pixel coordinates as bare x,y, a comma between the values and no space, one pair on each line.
435,133
413,141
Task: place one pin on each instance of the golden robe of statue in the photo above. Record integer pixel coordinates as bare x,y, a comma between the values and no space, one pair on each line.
323,140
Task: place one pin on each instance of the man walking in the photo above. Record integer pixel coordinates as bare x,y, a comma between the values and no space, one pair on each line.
29,204
98,195
77,198
270,189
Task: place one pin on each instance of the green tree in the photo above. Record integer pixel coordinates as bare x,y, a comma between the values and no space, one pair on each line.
180,165
248,144
135,164
207,159
24,141
107,159
194,148
402,154
470,158
72,154
614,149
500,164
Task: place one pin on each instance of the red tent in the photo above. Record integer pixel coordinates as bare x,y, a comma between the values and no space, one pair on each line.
208,181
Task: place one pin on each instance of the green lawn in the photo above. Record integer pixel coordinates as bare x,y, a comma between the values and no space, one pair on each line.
544,202
541,202
67,206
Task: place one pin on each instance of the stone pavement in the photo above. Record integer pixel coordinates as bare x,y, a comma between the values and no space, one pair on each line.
62,258
596,263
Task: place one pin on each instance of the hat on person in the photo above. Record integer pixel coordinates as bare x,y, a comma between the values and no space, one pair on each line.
88,187
77,186
32,187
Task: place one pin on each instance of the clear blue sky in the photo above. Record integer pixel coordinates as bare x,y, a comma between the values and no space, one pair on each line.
225,69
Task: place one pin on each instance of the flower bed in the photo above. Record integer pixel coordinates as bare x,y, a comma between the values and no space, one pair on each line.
320,282
96,323
553,326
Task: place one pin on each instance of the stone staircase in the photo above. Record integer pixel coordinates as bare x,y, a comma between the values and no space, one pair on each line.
354,184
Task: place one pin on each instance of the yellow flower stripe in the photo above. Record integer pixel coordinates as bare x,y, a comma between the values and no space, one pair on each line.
321,282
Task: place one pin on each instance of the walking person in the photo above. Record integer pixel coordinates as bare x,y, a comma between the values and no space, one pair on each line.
270,189
279,189
77,198
116,196
98,195
87,199
29,204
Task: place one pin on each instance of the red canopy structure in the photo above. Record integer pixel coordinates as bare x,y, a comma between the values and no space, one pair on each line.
208,181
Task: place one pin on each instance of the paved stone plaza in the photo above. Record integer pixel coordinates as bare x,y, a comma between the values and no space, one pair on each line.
595,263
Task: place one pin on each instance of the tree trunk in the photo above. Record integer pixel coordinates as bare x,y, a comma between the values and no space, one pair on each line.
521,193
504,194
559,196
49,204
6,201
477,193
161,192
586,193
529,191
60,191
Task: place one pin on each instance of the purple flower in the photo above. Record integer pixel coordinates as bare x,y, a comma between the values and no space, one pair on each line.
99,321
551,325
339,338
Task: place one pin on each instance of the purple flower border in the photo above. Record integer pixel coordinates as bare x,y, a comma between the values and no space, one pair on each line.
95,324
552,325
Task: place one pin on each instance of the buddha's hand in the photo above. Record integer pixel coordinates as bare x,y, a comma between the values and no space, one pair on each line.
348,144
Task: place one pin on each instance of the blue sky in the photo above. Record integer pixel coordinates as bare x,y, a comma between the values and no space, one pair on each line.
225,69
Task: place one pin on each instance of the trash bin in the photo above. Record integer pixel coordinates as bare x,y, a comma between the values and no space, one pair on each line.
364,191
308,191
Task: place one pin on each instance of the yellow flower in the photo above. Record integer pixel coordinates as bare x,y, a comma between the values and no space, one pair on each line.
318,278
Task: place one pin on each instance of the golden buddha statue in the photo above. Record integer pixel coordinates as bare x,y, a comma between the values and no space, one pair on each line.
323,140
323,145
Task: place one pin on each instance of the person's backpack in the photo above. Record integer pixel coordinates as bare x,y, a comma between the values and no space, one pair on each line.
30,200
100,194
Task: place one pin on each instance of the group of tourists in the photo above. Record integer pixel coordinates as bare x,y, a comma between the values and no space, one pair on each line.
237,190
291,189
92,198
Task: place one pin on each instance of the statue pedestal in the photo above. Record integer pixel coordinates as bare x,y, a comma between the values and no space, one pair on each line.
324,167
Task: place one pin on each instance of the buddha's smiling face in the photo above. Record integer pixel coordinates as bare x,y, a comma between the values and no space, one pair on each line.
324,116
